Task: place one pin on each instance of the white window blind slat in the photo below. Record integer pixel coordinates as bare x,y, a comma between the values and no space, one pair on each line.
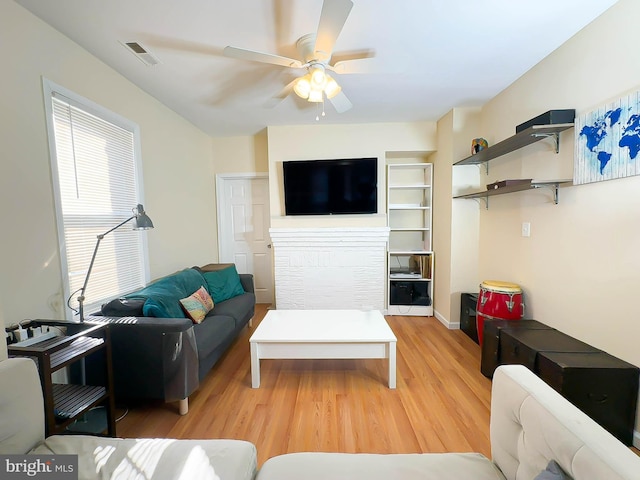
98,188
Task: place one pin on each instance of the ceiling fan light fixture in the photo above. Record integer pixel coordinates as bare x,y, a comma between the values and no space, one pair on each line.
332,88
318,77
303,86
315,96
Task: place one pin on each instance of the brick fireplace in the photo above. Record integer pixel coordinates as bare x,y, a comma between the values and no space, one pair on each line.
330,268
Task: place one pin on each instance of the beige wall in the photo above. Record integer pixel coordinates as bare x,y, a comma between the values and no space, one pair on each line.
310,142
177,162
580,269
456,232
246,154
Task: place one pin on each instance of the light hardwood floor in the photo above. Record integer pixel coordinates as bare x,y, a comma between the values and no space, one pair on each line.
441,403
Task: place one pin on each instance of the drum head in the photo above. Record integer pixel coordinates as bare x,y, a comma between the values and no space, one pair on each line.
499,286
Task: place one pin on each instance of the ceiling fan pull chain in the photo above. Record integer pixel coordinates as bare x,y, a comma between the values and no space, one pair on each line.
317,108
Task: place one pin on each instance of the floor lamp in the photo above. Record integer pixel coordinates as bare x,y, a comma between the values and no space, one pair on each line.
141,222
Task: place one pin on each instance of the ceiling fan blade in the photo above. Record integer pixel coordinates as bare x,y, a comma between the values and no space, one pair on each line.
284,93
352,55
362,65
332,19
341,103
370,65
253,56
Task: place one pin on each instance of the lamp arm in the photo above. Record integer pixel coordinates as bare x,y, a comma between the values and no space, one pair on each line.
115,228
93,258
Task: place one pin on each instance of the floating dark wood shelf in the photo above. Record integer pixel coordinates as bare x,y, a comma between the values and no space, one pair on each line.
522,139
484,195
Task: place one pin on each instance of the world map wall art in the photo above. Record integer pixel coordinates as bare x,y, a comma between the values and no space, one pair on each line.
608,142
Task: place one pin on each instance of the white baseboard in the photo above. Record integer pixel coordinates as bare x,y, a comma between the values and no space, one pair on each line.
636,439
445,322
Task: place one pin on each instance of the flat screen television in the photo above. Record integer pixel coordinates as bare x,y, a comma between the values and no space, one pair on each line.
331,187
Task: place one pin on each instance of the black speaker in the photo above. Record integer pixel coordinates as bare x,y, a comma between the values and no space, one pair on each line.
468,302
410,293
400,293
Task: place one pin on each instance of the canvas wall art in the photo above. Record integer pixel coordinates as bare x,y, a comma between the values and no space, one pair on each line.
608,142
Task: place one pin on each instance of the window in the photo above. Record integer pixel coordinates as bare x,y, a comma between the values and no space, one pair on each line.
97,184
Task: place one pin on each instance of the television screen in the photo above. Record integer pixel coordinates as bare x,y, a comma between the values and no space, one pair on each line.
328,187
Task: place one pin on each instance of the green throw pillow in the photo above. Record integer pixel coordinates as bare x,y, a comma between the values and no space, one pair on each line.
224,284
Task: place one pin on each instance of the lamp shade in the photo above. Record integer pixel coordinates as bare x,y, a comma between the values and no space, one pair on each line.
315,96
332,88
142,221
302,87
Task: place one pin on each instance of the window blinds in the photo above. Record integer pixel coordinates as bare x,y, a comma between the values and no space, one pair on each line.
96,172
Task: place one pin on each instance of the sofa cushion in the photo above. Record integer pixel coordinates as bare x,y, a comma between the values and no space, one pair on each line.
162,297
213,331
365,466
157,458
223,284
197,305
237,307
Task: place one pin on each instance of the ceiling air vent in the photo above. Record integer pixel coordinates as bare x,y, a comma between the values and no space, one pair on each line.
142,53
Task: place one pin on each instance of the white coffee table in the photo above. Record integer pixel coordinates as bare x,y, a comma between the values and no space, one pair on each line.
322,334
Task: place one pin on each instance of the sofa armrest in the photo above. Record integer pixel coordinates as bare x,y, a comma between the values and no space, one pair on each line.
152,358
246,279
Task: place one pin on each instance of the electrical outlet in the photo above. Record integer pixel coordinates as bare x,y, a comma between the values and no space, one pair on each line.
526,229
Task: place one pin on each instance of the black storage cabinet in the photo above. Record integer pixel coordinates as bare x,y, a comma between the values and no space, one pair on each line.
522,346
601,385
468,304
491,349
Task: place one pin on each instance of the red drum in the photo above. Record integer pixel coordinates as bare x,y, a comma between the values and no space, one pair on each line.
500,300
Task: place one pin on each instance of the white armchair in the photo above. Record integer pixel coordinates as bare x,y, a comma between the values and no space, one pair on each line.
22,432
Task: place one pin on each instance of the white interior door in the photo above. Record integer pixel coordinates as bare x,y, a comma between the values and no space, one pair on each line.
243,229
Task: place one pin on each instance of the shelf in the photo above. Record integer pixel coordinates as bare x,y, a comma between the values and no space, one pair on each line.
519,140
553,185
69,401
410,252
63,350
79,347
410,229
407,207
408,187
408,279
410,166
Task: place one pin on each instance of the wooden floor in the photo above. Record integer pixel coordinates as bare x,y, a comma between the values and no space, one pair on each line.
441,403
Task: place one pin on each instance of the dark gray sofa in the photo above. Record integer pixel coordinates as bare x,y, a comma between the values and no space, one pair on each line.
166,358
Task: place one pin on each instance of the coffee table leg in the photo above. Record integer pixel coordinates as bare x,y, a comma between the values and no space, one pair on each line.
255,366
392,364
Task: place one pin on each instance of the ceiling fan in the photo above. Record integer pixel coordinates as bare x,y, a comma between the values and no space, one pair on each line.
316,50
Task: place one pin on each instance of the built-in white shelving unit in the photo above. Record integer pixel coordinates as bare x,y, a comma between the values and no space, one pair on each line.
410,256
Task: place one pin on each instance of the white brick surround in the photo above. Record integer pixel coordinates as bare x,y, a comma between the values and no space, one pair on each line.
330,268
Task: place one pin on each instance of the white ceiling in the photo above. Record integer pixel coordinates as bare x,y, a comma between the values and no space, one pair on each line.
438,54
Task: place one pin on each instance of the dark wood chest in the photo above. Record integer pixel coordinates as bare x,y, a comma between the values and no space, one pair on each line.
601,385
491,344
